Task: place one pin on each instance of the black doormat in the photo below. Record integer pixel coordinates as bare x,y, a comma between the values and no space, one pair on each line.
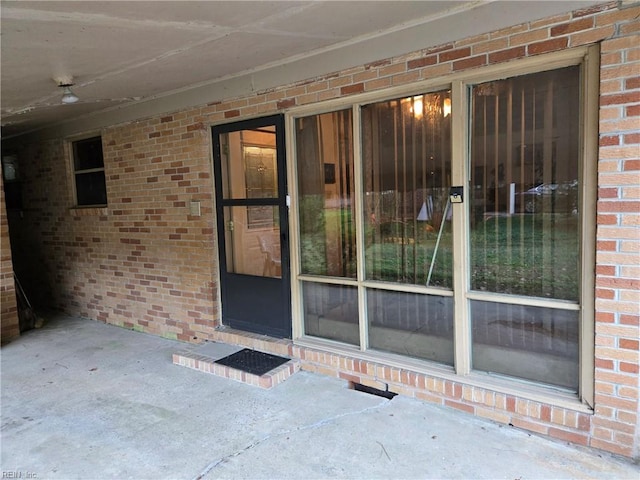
251,361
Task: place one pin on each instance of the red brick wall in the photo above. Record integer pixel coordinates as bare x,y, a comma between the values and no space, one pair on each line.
618,235
157,261
143,262
9,309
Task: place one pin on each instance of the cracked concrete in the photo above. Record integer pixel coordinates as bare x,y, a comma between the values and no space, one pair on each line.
287,433
84,400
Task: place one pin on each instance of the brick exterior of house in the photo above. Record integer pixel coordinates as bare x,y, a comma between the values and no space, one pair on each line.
9,308
144,263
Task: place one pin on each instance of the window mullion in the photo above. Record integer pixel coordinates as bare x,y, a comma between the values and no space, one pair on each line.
359,223
297,309
459,176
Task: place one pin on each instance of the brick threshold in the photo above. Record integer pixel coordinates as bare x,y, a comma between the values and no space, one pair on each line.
207,364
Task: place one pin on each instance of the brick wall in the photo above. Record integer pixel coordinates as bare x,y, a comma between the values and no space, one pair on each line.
143,262
10,326
618,243
34,228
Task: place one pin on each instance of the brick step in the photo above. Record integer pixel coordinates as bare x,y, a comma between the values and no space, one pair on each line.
197,360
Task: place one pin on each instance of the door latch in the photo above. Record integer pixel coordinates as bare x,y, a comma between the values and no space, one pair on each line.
455,194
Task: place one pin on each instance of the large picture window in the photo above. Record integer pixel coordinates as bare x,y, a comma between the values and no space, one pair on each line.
494,286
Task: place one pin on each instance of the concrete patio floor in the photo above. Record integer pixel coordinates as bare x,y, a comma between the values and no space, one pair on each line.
84,400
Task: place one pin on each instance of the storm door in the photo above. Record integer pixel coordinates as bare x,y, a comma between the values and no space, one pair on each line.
249,165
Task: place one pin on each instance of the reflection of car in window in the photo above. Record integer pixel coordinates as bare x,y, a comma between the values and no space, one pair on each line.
551,198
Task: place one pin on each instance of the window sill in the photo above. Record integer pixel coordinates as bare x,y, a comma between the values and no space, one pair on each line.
89,211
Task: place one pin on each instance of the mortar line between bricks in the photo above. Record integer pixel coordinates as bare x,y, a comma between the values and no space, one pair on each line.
318,424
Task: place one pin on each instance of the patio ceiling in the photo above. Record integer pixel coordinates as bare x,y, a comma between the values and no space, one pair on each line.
130,59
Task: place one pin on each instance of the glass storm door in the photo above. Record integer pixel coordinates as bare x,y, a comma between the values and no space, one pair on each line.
252,225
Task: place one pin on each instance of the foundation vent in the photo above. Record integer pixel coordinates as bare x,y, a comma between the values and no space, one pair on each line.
371,390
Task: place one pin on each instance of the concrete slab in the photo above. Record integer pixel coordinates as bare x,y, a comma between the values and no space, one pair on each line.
84,400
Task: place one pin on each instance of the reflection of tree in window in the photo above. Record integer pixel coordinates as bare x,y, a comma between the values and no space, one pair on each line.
325,188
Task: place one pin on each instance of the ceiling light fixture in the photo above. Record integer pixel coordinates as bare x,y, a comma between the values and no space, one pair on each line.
446,108
67,95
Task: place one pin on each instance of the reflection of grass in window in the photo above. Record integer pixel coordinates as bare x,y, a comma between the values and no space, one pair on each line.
385,262
399,252
534,255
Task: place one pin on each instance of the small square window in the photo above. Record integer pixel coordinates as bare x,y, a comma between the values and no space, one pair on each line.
88,170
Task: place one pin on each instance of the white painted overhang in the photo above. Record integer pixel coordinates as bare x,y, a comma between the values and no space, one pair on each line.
130,60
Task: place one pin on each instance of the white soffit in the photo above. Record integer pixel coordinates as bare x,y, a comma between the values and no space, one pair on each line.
135,59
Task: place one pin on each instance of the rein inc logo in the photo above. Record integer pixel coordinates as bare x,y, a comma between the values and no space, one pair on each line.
18,474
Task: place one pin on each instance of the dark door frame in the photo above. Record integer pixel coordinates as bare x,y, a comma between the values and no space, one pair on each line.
283,329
